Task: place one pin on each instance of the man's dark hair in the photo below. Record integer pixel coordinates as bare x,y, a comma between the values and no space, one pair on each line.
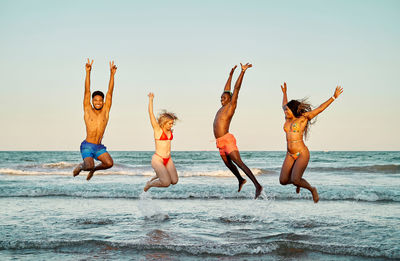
98,93
228,92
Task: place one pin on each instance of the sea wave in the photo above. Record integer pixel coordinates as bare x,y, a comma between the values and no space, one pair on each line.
190,192
65,168
280,243
124,171
385,169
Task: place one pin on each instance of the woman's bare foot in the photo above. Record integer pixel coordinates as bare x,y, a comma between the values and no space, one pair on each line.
90,175
147,187
298,190
315,195
258,191
77,170
241,184
153,178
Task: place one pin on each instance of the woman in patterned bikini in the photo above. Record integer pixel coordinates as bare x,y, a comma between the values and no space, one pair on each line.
298,116
161,161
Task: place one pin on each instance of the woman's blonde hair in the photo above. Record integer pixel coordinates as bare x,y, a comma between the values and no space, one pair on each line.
165,116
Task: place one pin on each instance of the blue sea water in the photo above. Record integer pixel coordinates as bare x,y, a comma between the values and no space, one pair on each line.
46,214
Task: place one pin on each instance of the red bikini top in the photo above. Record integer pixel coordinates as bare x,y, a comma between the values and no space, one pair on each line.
164,136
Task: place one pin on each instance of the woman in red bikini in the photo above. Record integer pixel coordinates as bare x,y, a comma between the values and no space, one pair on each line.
298,116
161,161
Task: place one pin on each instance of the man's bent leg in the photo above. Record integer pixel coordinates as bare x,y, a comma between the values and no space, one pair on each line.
228,163
87,164
106,163
235,156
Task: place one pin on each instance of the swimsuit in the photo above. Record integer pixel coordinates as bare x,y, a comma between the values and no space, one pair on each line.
226,144
294,127
165,137
165,160
92,150
294,155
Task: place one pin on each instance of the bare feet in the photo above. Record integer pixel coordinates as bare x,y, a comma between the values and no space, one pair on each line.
258,191
298,190
315,195
153,178
241,184
90,175
77,170
147,187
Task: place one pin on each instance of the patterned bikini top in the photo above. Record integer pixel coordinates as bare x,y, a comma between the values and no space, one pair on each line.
294,127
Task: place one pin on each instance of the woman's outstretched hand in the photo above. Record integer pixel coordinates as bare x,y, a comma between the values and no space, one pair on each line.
338,91
151,95
284,87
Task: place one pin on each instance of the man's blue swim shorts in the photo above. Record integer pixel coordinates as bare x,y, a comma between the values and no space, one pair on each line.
92,150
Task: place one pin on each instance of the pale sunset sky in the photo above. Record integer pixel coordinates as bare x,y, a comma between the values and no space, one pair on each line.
183,52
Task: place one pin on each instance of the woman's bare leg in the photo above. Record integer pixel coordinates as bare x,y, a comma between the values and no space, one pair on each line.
286,170
173,174
299,167
163,179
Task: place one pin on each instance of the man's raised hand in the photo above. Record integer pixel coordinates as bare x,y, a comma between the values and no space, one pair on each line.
88,66
246,66
113,68
233,69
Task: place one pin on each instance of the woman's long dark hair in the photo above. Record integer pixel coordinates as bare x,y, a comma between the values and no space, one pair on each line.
298,107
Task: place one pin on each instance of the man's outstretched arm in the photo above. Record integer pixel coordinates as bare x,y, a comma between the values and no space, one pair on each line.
113,70
86,97
228,82
238,84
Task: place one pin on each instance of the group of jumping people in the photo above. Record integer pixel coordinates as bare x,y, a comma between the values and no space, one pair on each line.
298,117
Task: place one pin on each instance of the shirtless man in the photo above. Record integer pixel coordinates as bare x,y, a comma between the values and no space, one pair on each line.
226,142
96,119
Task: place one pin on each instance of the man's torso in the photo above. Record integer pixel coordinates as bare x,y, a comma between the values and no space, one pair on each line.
95,125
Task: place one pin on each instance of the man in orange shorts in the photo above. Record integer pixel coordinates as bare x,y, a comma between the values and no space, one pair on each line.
226,142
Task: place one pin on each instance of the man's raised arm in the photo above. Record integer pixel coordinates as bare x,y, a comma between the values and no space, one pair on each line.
86,97
238,83
228,82
113,70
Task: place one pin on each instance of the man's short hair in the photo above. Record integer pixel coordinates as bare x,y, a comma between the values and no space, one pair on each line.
98,93
228,92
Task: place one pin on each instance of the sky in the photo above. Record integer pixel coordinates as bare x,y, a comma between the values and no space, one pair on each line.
183,52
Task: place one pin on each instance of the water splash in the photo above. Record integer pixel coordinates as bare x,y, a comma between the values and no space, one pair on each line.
150,209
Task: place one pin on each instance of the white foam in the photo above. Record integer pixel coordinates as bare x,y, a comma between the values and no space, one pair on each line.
151,209
216,173
59,165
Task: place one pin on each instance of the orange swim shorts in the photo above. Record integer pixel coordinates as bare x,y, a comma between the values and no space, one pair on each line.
226,144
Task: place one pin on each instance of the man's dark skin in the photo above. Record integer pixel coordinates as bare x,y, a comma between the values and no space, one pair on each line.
221,125
96,119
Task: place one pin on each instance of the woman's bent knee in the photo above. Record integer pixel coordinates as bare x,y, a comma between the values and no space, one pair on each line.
283,181
165,183
296,182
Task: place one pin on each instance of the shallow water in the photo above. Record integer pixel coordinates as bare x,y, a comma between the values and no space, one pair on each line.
46,214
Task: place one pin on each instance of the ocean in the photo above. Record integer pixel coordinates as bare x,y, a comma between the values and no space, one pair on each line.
46,214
